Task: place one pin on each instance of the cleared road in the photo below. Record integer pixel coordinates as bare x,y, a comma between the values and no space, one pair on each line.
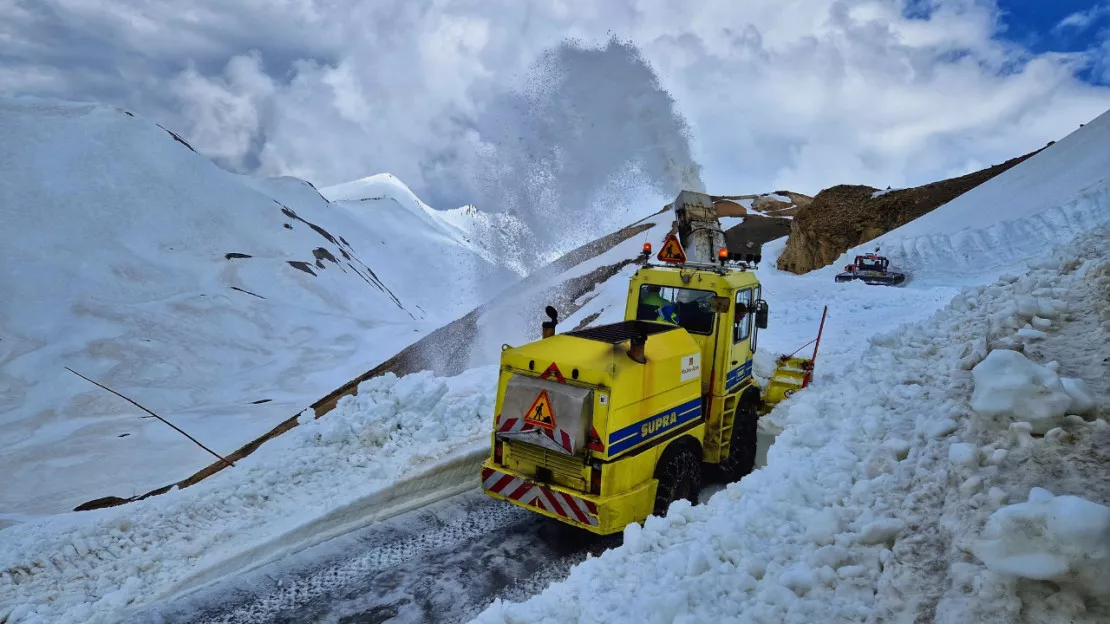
441,563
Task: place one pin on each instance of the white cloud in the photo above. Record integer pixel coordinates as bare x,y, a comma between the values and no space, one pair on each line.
226,112
1082,20
800,94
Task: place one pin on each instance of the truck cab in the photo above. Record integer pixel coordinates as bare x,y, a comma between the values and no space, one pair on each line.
607,425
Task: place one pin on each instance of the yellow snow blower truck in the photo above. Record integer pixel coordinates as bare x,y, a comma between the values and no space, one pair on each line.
607,425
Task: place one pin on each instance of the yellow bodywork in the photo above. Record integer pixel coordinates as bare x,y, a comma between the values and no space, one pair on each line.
688,389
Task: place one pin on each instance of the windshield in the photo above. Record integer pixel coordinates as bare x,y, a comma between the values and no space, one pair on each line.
688,308
871,264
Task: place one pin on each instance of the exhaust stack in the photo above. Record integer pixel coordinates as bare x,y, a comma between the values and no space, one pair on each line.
636,349
549,326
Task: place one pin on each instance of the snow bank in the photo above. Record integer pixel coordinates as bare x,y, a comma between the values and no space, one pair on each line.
1065,539
95,566
1025,211
842,523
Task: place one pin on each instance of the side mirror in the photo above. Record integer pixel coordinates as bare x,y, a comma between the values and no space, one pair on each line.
761,312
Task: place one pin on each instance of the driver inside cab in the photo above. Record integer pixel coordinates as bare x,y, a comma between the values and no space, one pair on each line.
665,311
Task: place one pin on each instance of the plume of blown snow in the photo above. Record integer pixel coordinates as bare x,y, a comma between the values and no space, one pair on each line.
589,129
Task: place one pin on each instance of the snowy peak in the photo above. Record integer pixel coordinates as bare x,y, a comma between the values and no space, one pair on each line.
498,237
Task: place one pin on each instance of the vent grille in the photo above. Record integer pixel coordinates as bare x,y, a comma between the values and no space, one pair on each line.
565,468
615,333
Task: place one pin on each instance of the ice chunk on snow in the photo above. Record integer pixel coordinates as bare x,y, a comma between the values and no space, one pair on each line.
962,453
1042,324
1026,306
881,531
831,556
900,447
1032,334
1082,401
941,428
799,579
1009,387
1057,538
823,527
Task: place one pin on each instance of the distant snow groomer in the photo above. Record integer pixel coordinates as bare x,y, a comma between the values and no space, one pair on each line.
873,269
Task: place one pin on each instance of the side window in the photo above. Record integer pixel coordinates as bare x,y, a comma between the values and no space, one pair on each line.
742,324
758,296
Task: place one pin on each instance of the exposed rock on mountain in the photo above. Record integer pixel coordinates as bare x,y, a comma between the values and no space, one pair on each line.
844,216
777,204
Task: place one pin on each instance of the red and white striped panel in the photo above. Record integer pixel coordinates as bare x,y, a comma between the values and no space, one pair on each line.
517,425
525,493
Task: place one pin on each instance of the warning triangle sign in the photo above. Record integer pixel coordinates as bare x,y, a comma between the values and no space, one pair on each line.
541,414
553,371
672,251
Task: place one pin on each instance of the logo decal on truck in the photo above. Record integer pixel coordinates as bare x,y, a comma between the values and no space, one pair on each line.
540,413
690,367
656,424
654,427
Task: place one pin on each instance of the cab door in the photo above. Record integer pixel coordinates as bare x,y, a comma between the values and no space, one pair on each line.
743,338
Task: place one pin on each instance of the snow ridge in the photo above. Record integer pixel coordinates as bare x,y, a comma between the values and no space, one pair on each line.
999,245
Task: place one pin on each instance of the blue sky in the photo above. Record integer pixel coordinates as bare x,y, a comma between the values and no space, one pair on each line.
1040,26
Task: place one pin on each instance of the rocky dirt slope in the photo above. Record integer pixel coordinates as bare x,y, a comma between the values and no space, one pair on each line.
844,216
749,221
777,204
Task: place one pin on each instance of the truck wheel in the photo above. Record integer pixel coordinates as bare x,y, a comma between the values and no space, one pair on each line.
679,477
741,454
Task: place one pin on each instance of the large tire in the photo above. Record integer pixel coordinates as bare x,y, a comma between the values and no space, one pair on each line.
742,446
679,477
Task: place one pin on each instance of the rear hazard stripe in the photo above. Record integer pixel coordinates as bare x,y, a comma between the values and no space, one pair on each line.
521,488
535,495
502,482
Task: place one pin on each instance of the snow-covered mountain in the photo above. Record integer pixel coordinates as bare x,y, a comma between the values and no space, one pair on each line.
496,237
222,302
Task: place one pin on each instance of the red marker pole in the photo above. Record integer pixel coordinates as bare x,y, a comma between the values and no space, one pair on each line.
819,330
